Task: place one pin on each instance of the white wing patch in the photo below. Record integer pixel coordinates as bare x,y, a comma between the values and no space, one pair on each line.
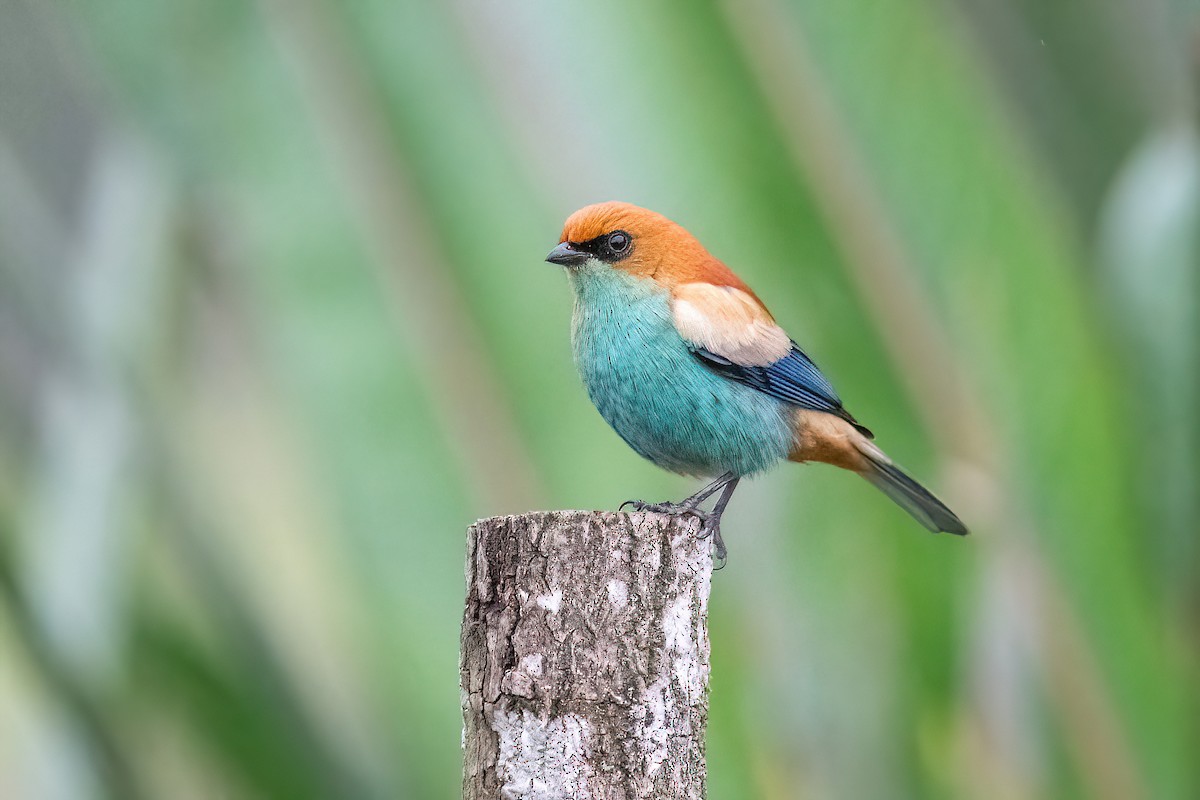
730,323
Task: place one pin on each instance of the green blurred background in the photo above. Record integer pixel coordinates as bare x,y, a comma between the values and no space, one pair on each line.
275,328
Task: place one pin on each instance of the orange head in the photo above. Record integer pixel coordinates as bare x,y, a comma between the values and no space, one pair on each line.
639,242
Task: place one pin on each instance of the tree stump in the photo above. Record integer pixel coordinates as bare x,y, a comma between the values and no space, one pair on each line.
584,661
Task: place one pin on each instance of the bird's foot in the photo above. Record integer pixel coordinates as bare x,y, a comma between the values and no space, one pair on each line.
710,523
674,509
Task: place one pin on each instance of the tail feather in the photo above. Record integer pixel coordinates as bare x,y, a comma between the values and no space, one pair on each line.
914,498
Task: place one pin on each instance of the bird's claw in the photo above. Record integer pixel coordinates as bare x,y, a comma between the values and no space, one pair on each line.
712,527
719,559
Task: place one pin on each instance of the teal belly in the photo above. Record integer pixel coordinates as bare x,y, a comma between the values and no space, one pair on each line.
662,401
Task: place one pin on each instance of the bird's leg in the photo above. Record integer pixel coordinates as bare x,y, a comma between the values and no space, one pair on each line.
689,505
712,525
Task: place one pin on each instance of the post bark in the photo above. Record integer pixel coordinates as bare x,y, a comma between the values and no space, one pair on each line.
584,661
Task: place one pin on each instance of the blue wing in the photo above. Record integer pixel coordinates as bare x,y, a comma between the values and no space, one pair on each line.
794,379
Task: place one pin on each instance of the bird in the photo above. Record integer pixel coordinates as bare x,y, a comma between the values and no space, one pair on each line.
688,366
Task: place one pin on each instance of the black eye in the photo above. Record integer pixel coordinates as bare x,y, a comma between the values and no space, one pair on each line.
618,242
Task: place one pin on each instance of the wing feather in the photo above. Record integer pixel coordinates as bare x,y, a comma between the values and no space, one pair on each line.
735,336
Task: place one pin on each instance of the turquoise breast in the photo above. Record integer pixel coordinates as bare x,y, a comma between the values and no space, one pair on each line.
661,400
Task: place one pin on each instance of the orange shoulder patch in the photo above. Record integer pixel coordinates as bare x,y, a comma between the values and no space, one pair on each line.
729,322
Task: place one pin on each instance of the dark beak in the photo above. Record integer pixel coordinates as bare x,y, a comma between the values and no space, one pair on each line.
566,255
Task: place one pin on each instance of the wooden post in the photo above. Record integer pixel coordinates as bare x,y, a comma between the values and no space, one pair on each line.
584,661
